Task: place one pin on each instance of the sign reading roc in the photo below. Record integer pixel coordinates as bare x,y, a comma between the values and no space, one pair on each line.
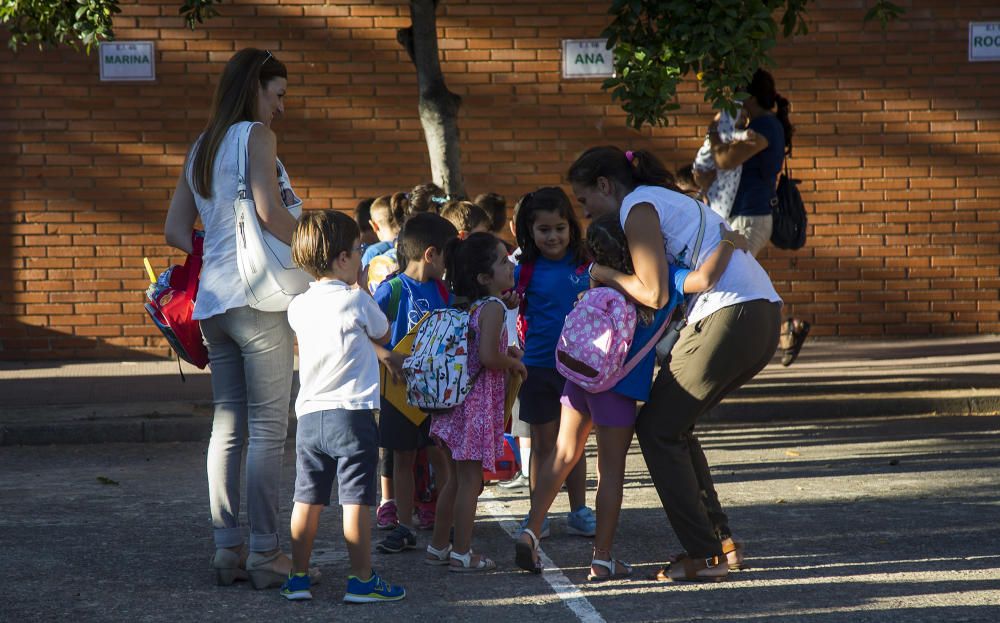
984,41
587,58
128,61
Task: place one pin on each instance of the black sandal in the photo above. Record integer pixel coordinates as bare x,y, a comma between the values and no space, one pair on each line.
794,338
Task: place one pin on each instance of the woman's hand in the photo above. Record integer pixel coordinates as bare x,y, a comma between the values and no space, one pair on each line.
511,299
738,240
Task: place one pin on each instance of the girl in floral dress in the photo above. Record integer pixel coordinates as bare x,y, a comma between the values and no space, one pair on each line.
472,433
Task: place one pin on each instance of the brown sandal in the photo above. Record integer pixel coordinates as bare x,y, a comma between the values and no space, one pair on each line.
692,570
733,551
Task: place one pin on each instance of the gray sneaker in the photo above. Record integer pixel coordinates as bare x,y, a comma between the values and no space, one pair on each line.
399,539
519,481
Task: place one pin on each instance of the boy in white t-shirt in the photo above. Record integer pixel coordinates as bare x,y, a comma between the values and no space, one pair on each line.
337,436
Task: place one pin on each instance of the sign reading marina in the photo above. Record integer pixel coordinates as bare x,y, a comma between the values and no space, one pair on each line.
587,58
984,41
128,61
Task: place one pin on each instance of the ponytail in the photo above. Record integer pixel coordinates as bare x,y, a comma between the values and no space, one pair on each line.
399,209
627,169
784,106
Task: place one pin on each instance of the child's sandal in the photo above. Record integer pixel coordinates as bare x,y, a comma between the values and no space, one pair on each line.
616,570
465,563
733,551
438,557
526,556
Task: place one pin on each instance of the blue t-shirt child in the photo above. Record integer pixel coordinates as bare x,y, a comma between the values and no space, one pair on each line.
639,381
760,173
415,300
550,297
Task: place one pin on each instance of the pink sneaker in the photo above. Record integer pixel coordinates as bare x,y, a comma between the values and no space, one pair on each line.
385,516
425,516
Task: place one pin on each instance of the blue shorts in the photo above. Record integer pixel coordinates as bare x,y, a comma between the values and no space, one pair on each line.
341,444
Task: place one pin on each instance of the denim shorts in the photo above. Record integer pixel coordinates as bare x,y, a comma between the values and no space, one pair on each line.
538,398
341,444
606,408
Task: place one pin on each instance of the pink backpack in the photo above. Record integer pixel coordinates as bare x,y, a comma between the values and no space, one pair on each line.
596,338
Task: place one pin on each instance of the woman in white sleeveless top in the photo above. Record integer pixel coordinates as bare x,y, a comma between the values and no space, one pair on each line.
250,351
731,334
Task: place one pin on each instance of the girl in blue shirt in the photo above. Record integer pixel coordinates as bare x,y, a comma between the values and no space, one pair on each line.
550,276
612,412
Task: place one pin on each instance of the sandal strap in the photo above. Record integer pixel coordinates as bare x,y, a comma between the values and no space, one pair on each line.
533,537
440,554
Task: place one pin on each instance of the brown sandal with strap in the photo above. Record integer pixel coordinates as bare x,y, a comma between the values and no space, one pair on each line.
692,570
733,552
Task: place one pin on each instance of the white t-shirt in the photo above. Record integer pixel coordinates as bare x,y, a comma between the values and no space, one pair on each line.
338,368
743,280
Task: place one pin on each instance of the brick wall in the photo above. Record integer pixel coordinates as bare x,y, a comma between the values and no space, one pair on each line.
898,144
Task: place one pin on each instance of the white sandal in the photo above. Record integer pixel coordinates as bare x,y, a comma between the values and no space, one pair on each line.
616,570
527,556
437,557
465,560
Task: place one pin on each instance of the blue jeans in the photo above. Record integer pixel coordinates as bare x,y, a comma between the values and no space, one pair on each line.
250,353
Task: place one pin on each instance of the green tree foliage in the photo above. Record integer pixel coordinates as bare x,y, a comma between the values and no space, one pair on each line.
657,43
77,22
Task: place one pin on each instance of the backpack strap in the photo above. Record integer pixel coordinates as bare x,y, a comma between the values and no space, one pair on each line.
395,295
443,290
523,279
650,344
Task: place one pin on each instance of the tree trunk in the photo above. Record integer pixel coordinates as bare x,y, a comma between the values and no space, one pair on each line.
437,105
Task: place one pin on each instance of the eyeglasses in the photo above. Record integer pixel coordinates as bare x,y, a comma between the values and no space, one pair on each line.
266,58
358,248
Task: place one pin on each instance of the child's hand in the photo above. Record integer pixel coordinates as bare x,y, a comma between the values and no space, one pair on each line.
511,299
393,363
739,240
515,352
520,369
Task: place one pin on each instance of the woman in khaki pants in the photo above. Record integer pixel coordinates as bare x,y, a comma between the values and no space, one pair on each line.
732,333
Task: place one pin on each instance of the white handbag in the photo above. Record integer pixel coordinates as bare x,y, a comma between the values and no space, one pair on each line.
270,277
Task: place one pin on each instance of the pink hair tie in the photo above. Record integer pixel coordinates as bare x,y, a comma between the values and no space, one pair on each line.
629,155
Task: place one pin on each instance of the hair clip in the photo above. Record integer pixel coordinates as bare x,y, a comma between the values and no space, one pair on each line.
629,155
441,200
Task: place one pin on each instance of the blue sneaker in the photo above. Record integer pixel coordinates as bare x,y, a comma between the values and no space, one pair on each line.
372,590
296,587
545,528
581,522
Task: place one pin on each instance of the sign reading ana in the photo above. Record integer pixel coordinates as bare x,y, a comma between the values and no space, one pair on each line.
587,58
984,41
132,60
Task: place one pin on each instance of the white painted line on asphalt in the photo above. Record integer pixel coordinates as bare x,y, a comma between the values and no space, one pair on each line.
561,585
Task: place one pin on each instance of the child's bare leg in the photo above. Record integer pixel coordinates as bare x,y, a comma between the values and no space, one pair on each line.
613,443
445,512
358,538
304,525
470,479
553,470
543,444
576,483
402,483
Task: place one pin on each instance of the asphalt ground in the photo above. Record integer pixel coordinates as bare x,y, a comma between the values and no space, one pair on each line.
877,519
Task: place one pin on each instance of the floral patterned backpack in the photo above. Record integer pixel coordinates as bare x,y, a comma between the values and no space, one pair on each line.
596,339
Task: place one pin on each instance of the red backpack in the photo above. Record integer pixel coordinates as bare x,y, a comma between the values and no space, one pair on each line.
170,304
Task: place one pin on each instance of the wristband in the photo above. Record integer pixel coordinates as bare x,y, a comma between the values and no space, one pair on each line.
590,271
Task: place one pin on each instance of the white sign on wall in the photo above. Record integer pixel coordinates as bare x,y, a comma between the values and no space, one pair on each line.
127,61
984,41
587,58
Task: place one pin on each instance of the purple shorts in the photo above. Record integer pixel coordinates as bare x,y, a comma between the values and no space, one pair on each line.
605,408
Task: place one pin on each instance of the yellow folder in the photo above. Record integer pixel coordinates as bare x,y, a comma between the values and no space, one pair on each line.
395,393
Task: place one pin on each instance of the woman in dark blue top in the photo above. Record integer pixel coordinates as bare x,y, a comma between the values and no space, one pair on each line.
761,158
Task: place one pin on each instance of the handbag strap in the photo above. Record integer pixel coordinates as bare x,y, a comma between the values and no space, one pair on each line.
688,300
242,156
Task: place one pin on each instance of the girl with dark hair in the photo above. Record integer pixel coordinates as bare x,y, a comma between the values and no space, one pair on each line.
550,276
250,351
472,433
731,334
761,158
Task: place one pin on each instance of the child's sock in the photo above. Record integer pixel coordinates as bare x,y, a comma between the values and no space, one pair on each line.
525,460
385,501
